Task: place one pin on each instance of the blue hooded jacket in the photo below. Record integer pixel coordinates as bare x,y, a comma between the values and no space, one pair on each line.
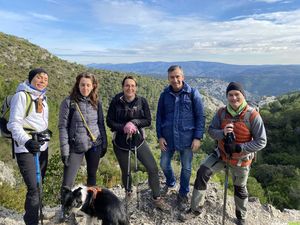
180,117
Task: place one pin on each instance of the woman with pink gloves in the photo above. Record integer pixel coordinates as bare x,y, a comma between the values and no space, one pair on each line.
127,116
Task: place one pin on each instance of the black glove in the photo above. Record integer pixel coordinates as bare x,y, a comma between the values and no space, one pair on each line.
33,146
229,143
65,160
238,148
103,152
229,148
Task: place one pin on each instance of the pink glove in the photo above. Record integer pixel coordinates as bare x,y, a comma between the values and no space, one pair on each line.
130,128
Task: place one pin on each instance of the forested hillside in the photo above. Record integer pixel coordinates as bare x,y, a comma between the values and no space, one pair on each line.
278,168
18,56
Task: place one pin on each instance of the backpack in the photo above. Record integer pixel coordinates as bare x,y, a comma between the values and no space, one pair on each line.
253,109
248,117
5,111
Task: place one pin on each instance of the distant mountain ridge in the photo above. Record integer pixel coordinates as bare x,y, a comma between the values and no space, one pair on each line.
258,79
191,68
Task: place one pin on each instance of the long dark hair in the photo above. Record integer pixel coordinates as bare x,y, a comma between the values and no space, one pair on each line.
75,93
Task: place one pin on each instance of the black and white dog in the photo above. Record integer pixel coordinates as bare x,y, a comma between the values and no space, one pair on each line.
97,203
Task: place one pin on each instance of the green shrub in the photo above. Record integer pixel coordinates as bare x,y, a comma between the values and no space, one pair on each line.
12,198
255,189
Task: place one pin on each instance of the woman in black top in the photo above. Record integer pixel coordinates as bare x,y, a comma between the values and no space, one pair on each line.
127,115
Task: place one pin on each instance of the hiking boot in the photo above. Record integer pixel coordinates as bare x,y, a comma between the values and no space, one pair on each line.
188,215
241,222
160,204
168,190
182,201
62,215
197,199
128,196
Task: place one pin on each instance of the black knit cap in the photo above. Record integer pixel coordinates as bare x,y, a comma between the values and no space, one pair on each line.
34,72
235,86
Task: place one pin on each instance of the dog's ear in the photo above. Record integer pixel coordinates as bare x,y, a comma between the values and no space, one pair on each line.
77,192
66,188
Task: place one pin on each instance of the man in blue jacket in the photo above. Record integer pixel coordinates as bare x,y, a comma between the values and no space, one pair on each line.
180,124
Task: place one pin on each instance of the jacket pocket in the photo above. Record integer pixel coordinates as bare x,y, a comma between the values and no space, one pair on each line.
187,124
187,104
82,140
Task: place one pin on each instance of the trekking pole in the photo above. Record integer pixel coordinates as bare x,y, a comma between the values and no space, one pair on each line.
225,191
38,180
39,185
138,181
12,148
128,175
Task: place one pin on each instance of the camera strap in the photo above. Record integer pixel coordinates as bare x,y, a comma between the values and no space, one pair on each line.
85,123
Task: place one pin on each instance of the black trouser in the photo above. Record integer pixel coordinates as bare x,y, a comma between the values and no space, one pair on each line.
27,168
146,158
92,157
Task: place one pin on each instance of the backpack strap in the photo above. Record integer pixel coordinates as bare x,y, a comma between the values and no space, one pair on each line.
72,109
85,123
29,101
7,105
191,94
28,107
221,113
249,116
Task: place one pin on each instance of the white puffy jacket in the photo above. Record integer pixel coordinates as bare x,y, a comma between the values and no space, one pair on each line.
17,119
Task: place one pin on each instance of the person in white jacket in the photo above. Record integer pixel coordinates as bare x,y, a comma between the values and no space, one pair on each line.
20,124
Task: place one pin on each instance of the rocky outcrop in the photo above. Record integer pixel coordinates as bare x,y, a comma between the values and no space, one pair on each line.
6,174
146,214
216,88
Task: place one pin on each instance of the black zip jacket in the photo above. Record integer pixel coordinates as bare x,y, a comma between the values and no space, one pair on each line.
120,112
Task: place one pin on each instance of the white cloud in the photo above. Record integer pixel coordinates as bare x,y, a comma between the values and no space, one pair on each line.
128,31
5,15
269,1
53,1
44,16
166,37
125,12
286,18
191,38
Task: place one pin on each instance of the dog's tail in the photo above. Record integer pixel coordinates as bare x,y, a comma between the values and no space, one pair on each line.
124,222
123,219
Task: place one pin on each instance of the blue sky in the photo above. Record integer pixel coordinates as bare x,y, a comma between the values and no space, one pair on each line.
113,31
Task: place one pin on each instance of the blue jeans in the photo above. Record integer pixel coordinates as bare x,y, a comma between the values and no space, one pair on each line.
186,157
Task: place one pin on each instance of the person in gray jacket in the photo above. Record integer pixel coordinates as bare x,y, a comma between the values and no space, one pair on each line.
81,131
239,131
